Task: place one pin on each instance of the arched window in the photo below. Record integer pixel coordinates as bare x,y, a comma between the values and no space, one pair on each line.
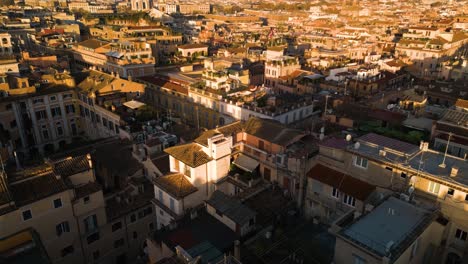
4,41
144,5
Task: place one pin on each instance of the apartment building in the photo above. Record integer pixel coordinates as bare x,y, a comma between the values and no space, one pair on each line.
194,170
394,232
430,177
170,94
278,67
101,98
331,194
129,58
141,5
452,129
427,50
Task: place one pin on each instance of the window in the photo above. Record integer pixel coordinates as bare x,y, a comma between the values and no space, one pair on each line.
59,129
161,197
171,204
389,168
96,255
53,98
414,248
104,121
187,171
92,238
161,212
57,203
41,114
38,101
403,175
45,132
74,130
141,214
358,260
132,218
261,145
135,235
27,215
360,162
148,210
349,200
336,193
111,125
434,187
65,96
460,234
70,109
86,199
56,111
62,228
450,191
67,251
13,124
466,197
90,223
151,226
251,222
116,226
118,243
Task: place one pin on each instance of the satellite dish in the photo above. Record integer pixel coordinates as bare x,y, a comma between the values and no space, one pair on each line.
357,145
348,137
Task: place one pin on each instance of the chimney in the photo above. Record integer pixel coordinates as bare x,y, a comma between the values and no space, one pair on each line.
453,172
237,249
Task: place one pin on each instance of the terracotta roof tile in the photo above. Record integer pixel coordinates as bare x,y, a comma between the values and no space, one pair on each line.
191,154
176,185
341,181
271,131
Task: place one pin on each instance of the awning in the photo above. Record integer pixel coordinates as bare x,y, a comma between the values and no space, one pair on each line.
133,104
246,163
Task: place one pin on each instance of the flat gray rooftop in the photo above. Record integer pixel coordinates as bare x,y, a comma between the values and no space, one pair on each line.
376,229
432,160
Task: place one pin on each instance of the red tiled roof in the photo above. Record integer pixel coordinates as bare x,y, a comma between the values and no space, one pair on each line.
462,103
165,83
341,181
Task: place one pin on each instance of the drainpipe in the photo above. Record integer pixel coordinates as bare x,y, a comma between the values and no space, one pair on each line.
79,231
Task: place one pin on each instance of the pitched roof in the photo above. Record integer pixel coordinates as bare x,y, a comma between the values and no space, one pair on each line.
227,130
176,185
190,154
389,143
271,131
71,166
341,181
462,103
231,207
162,163
38,188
